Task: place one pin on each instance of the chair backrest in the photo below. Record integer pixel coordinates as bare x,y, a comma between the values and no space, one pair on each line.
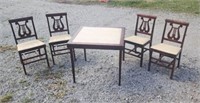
23,28
174,31
57,22
145,25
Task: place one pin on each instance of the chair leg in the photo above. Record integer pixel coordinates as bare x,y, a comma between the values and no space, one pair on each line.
46,56
52,50
22,64
85,54
24,69
39,52
160,56
150,55
179,60
141,59
173,68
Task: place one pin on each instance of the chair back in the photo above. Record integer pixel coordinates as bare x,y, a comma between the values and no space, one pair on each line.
23,28
145,25
174,31
57,22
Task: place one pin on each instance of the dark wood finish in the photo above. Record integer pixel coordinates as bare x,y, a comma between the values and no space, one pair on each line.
71,45
72,61
23,30
174,32
120,63
144,26
58,23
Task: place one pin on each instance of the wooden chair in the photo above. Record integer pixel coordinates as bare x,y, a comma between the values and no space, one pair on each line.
144,25
59,34
170,48
30,49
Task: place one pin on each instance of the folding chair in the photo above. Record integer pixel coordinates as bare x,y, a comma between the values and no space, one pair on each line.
170,48
144,25
59,34
30,49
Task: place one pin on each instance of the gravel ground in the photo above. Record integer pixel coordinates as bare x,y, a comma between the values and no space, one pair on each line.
97,78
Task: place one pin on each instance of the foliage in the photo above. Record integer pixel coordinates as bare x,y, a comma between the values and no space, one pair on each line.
186,6
6,98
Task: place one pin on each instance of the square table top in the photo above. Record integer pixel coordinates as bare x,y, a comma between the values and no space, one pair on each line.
98,36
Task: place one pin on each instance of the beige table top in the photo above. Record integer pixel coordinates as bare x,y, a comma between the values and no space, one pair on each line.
99,35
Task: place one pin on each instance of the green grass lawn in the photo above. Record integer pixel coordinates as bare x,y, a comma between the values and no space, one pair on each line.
185,6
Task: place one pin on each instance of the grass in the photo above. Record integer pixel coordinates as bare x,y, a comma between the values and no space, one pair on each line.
24,83
47,74
57,88
6,98
184,6
4,48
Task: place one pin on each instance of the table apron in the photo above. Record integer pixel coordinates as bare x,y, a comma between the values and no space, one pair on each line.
98,47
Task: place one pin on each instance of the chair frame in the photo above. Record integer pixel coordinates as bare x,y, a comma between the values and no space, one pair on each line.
141,29
61,43
170,65
25,36
55,52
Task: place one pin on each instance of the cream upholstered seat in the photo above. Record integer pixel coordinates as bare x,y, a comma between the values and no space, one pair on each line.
173,50
137,39
59,38
29,45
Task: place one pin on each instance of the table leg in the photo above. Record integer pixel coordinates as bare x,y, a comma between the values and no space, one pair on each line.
120,62
72,61
85,54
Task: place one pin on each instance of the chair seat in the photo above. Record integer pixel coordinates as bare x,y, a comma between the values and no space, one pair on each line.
59,38
137,40
29,45
165,48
